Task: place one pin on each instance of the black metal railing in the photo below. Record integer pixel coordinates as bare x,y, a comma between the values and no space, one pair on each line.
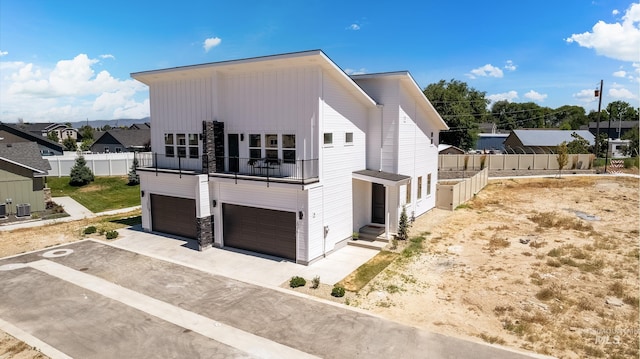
269,169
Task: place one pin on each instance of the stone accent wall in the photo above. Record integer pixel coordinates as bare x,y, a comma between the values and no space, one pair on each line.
213,146
205,232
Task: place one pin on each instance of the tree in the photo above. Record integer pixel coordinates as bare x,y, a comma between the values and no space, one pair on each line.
69,144
86,132
53,136
403,226
461,107
632,149
572,117
134,178
86,144
562,158
579,145
106,128
80,173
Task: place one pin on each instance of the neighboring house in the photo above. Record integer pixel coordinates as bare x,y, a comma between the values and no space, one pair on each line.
286,155
449,150
10,133
22,176
542,141
61,131
615,129
491,142
618,147
121,140
140,126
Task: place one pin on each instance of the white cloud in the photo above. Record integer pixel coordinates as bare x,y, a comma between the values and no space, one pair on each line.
622,93
487,70
70,91
535,96
615,12
210,43
620,73
355,72
509,66
585,96
3,53
354,27
107,56
509,96
617,41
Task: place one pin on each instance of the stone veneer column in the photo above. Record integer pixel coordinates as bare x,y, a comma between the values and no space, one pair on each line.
205,232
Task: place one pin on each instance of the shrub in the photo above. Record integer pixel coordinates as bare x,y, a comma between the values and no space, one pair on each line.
112,234
90,230
315,282
296,282
80,174
338,291
403,226
134,178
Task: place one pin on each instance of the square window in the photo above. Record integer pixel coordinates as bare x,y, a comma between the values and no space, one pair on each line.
193,152
328,138
168,138
348,137
182,151
168,151
193,139
271,154
255,153
255,141
288,141
271,141
289,156
181,139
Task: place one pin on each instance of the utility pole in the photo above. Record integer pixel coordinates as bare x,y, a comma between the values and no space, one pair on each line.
599,95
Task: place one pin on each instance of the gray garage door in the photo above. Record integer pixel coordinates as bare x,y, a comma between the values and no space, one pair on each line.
173,215
260,230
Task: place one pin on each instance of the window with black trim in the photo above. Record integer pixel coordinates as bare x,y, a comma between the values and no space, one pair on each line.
348,138
328,138
271,146
168,145
289,148
181,141
255,146
193,145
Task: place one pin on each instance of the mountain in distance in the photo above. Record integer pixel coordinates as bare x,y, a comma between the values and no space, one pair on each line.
120,122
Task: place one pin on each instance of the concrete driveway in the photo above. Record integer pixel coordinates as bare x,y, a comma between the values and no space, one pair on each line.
92,300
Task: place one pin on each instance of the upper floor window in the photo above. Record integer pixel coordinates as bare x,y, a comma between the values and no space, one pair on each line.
168,145
271,145
181,141
328,138
289,148
348,138
193,145
255,146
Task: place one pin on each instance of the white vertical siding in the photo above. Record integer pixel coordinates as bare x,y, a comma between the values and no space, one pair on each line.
341,113
361,204
315,222
164,184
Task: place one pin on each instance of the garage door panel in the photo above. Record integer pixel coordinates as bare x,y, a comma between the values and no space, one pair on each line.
260,230
173,215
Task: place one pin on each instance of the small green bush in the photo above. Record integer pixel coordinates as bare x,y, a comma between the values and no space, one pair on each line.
112,234
90,230
338,291
296,282
315,282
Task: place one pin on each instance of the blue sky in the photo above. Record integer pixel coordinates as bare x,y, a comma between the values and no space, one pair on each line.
71,60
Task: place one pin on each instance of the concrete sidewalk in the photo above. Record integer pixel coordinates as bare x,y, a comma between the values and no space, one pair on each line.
75,210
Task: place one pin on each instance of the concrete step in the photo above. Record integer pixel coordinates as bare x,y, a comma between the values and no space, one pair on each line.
371,230
377,245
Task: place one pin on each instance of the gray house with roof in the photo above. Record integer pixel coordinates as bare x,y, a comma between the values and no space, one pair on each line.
12,133
120,140
22,176
542,141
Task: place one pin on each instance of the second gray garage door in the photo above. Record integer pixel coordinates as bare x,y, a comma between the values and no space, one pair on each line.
260,230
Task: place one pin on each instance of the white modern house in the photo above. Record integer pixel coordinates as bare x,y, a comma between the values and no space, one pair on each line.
285,155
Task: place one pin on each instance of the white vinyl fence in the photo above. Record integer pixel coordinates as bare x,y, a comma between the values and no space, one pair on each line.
103,164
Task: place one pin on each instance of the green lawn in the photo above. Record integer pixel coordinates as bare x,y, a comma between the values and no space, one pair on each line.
103,194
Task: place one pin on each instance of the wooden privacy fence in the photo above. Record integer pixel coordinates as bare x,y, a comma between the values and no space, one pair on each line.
512,162
450,195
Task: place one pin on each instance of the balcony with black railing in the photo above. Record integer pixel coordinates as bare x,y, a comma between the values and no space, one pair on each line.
238,168
267,169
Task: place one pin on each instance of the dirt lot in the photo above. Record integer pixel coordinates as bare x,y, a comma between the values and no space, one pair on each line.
527,264
520,267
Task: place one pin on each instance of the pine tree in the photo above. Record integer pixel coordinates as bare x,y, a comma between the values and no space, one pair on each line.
134,178
403,227
80,173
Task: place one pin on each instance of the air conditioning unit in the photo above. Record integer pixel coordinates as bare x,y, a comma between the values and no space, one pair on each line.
23,210
3,210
